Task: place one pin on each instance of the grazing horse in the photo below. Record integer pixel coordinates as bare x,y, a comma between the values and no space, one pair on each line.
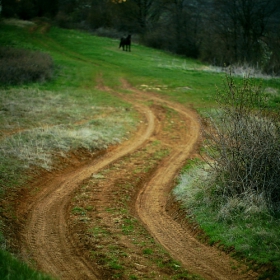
125,43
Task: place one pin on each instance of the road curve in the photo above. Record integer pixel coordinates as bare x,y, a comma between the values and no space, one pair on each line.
151,202
46,239
45,236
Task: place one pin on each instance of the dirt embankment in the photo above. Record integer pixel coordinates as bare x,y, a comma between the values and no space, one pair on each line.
94,221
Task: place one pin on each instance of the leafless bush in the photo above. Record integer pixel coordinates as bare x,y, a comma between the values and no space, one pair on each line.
243,145
19,66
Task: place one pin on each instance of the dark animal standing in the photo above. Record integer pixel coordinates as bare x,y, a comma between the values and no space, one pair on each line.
125,43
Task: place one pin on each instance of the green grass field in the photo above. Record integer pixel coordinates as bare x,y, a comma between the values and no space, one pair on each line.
39,121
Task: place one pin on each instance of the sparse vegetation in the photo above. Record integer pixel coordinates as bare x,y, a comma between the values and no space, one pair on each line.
118,242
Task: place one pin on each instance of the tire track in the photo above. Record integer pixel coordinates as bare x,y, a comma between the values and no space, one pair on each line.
46,237
151,202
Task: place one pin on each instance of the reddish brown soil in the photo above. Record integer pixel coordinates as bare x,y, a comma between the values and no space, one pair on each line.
98,218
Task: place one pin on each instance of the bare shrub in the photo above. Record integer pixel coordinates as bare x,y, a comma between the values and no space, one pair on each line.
18,66
243,146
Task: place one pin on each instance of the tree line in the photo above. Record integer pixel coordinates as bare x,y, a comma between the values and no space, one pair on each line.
221,32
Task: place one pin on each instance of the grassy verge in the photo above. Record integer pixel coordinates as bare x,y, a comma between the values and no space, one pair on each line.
252,232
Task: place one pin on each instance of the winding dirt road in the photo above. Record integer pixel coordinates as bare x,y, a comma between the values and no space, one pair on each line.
46,238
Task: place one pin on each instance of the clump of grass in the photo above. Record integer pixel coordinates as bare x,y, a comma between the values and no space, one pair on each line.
18,66
79,211
98,232
111,258
128,226
147,251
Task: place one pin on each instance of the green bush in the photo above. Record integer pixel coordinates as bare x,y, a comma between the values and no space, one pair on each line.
18,66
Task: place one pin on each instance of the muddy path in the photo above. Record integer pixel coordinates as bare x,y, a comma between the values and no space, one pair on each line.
77,213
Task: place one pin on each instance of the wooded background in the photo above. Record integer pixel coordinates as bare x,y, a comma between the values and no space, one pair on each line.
221,32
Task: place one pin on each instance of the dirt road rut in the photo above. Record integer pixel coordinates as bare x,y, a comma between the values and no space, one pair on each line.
46,237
